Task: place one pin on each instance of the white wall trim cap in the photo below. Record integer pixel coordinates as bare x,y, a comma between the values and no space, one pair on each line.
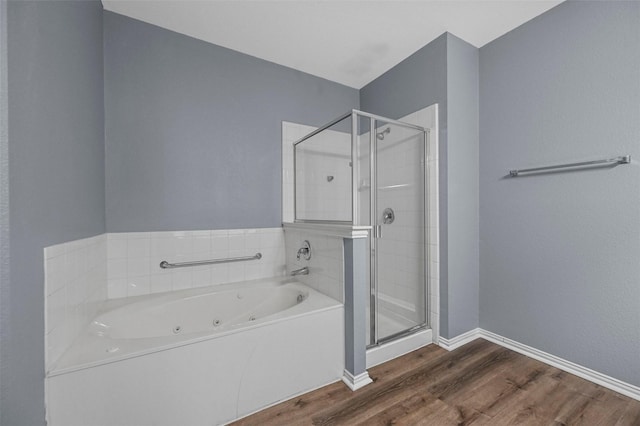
356,382
335,230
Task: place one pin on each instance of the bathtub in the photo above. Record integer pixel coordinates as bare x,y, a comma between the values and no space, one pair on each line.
199,356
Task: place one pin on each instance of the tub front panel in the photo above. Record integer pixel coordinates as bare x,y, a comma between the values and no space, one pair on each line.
210,382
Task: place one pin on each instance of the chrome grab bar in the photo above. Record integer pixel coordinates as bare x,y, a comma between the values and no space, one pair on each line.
166,265
625,159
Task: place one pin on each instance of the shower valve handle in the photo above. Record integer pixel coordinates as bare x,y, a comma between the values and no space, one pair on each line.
388,216
304,251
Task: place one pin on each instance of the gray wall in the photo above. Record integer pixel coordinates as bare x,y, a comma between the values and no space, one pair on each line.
559,252
193,130
413,84
56,174
5,284
462,187
445,72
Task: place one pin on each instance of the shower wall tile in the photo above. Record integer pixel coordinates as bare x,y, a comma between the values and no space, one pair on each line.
134,259
428,118
402,252
291,132
325,156
402,256
75,286
326,273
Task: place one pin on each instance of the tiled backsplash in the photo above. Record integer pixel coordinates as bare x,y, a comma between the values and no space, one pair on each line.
75,285
134,259
326,273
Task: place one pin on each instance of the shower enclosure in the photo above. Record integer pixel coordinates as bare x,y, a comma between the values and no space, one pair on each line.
363,169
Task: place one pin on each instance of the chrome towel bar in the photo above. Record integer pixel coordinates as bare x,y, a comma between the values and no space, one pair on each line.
626,159
166,265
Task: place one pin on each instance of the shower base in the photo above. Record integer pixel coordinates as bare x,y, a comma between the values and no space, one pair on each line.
398,347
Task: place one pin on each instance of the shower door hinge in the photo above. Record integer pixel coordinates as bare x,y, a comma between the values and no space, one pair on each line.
377,231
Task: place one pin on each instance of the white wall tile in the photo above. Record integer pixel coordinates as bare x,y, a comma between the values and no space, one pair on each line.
183,244
137,247
56,309
117,248
202,244
138,286
117,268
220,274
55,273
117,288
133,266
181,279
54,251
219,243
201,276
137,266
159,283
325,266
236,243
75,283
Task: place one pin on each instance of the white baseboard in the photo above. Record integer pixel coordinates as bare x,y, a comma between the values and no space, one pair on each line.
608,382
460,340
356,382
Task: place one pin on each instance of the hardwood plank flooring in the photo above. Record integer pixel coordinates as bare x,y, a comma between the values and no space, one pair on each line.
480,383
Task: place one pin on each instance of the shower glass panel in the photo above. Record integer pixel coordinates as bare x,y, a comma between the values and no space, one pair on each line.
347,173
362,172
399,220
323,180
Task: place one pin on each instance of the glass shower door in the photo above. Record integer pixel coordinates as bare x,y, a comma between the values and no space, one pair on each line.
398,214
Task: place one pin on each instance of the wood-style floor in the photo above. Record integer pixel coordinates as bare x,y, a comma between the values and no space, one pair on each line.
478,384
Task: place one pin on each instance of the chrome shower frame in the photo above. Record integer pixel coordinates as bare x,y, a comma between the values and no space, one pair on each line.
355,209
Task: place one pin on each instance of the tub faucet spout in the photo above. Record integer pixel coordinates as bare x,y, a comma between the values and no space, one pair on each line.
301,271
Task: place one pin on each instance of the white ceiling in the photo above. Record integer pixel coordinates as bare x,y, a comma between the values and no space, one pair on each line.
350,42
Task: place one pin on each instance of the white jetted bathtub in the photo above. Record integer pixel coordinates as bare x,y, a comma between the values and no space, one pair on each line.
199,356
